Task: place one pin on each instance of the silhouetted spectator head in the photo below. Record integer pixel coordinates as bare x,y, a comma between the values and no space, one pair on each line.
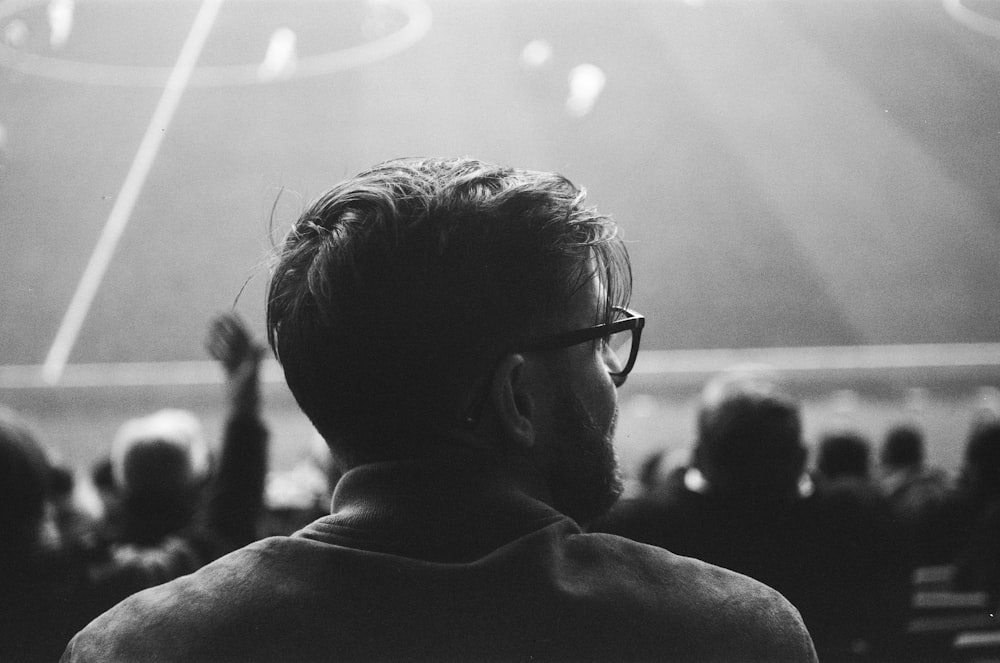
981,467
749,436
398,292
845,454
432,305
160,458
24,481
903,448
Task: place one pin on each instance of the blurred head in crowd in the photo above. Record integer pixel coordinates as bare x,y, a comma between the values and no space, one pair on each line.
981,466
159,464
903,448
749,435
25,475
400,297
162,453
844,454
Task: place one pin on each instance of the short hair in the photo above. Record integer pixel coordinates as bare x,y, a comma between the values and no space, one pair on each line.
749,433
844,454
24,480
163,455
903,447
397,291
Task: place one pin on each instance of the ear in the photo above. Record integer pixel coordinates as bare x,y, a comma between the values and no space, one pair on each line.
512,401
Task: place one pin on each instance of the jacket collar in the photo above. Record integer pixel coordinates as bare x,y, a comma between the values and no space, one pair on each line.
455,504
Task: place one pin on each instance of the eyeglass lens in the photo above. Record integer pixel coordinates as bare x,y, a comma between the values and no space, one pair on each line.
620,345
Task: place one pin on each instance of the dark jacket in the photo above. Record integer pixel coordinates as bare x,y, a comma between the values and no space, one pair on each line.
832,551
456,559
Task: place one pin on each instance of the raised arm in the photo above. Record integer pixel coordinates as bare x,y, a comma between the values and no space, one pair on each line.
236,495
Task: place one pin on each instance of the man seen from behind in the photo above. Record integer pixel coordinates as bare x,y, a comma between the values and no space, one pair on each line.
457,332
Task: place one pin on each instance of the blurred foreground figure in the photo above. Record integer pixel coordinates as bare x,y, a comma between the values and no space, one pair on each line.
747,504
457,332
912,488
159,464
964,529
844,456
38,586
173,509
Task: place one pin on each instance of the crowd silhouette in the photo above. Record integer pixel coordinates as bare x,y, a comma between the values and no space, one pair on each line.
161,506
839,537
840,540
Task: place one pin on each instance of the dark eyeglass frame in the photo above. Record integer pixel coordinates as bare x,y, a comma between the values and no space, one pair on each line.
633,321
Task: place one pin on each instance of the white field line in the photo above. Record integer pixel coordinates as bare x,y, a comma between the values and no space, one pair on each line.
654,363
121,212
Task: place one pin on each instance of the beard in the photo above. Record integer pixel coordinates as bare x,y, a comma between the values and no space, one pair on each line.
582,467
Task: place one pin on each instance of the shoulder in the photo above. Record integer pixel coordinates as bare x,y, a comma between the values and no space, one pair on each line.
143,626
721,612
697,582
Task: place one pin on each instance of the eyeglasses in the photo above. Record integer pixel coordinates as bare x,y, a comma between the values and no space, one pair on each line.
620,337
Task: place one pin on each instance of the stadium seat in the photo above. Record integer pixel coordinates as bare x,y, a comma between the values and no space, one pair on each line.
950,625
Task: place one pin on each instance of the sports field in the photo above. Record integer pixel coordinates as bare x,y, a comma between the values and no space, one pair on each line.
813,184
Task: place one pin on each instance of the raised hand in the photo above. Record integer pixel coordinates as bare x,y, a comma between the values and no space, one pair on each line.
231,344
